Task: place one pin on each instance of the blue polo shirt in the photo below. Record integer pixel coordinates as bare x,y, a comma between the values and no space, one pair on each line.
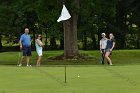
25,40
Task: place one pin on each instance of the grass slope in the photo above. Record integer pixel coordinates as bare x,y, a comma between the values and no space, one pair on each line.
119,57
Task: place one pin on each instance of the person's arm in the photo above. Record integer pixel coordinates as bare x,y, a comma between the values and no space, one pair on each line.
39,43
30,41
112,46
100,47
20,42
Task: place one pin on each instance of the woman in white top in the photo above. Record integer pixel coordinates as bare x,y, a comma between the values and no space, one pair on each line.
39,49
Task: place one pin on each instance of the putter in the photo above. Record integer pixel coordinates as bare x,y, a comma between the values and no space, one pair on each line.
19,56
102,56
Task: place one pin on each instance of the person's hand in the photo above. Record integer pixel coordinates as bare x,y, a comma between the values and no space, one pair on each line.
20,47
110,50
101,51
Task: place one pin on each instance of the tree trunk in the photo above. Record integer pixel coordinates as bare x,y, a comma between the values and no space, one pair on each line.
70,30
70,40
70,35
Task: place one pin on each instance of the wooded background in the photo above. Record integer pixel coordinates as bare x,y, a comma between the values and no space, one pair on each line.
89,19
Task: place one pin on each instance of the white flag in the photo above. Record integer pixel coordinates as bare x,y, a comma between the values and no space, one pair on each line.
64,14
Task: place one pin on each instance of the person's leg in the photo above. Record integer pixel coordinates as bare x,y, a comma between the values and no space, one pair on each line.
103,55
39,52
28,55
108,58
23,56
39,60
28,60
21,61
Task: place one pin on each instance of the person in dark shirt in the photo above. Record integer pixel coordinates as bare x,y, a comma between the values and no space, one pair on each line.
109,47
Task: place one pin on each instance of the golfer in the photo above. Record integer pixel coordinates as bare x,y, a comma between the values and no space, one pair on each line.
103,43
25,46
39,48
109,47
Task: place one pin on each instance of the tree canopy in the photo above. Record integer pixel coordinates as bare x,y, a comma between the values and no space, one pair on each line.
121,17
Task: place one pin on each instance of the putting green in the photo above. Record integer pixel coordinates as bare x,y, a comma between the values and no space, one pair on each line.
92,79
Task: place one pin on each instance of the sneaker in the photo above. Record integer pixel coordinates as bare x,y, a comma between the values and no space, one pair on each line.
111,64
29,65
19,65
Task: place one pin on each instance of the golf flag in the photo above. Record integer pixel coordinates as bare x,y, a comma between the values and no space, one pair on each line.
64,14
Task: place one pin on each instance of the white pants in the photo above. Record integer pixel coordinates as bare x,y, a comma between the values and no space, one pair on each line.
39,52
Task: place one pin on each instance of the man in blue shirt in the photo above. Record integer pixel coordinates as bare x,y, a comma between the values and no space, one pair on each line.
25,46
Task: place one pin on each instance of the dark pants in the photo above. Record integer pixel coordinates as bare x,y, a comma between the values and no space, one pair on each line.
103,56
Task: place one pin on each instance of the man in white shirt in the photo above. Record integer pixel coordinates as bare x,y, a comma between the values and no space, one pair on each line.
103,43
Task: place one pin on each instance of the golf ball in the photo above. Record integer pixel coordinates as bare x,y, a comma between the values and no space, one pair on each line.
78,76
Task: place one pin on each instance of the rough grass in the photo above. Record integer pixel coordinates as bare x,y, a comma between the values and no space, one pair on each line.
119,57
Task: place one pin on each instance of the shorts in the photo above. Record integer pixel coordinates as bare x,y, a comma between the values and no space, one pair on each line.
26,50
107,50
103,51
39,52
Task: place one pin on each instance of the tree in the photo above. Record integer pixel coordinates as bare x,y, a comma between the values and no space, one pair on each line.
70,31
6,21
127,16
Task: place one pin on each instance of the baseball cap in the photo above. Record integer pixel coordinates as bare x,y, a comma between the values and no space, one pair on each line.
103,34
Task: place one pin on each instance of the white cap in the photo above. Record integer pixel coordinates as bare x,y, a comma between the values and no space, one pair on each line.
103,34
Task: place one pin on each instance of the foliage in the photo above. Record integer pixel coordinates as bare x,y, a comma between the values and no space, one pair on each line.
122,17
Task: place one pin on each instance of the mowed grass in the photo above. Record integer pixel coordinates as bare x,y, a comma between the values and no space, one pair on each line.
123,77
93,79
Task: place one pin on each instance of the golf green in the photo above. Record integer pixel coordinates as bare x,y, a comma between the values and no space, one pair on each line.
80,79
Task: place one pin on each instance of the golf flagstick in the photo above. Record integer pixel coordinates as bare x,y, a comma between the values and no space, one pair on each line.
102,57
64,16
19,56
65,73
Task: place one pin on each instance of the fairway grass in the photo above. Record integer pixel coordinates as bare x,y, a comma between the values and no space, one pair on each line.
93,79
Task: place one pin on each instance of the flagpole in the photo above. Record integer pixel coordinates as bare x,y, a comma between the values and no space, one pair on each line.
64,17
64,26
